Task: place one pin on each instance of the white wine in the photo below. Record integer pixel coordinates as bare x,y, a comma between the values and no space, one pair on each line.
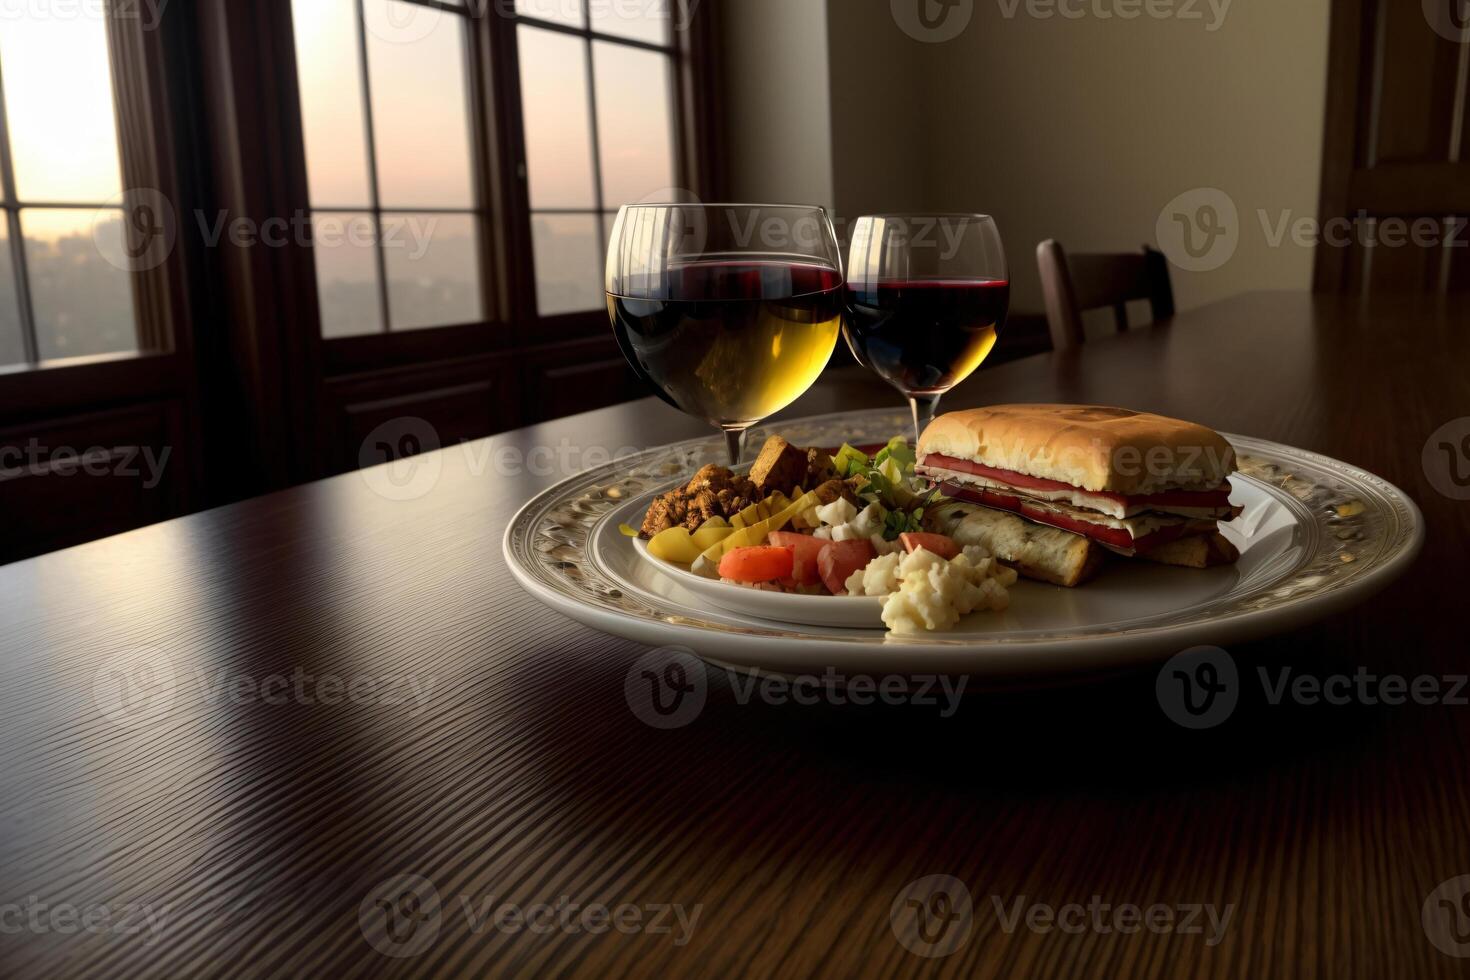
731,342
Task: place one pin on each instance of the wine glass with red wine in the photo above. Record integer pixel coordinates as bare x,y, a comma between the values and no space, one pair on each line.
728,311
926,297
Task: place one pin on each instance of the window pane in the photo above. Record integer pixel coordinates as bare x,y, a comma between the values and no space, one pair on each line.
557,11
80,287
641,20
558,122
633,96
58,94
420,116
568,253
12,347
608,220
330,69
433,270
345,246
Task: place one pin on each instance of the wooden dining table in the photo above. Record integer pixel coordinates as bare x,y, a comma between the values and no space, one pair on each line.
324,733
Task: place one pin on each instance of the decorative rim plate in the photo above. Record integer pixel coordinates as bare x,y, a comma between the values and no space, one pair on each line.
1338,533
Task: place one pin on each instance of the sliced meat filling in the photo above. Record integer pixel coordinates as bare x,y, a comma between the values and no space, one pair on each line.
1128,535
1202,505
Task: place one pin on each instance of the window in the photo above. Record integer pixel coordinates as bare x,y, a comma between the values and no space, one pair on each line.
396,208
65,287
395,151
597,97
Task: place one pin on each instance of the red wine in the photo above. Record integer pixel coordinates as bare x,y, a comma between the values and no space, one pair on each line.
925,336
729,341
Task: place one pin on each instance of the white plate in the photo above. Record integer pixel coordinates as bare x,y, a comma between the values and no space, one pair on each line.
1124,590
1317,536
804,610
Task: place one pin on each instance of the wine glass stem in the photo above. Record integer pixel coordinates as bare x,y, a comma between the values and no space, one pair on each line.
923,406
735,445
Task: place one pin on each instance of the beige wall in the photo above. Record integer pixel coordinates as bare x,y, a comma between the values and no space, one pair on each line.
1080,129
1083,130
878,126
777,101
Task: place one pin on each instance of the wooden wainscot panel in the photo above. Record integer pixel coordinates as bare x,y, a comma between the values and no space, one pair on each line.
391,414
68,480
565,379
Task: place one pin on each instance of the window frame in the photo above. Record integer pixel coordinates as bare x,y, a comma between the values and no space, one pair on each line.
497,135
151,338
481,207
589,37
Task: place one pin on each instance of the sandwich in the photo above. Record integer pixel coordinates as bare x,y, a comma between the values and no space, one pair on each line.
1095,479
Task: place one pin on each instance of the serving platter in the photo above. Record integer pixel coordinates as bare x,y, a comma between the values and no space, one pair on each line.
1317,536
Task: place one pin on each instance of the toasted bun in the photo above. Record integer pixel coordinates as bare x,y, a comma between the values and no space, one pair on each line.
1046,554
1200,551
1100,449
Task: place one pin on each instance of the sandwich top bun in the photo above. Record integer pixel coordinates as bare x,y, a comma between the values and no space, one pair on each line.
1088,446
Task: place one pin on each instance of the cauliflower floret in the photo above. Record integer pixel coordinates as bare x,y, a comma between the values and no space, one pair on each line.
975,553
869,522
933,594
921,562
838,512
885,547
879,578
913,609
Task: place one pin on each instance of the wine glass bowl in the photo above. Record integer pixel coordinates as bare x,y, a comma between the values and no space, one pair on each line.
927,295
729,312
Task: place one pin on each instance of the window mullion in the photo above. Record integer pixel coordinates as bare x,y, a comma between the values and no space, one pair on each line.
588,32
30,342
372,162
597,198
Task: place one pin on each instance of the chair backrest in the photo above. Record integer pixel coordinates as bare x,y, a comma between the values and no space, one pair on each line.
1072,284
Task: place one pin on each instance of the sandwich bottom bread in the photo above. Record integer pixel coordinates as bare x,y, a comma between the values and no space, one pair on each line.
1049,554
1202,551
1044,553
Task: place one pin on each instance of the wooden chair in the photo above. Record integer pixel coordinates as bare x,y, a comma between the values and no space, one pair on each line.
1075,283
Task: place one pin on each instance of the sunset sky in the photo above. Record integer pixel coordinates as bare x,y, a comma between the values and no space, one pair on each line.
62,132
64,137
420,115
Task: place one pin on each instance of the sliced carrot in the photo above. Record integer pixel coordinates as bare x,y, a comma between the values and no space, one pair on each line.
944,547
760,564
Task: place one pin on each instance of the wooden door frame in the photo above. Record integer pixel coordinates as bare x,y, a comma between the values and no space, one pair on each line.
1352,182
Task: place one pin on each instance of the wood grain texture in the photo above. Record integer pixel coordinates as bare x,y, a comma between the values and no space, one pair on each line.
516,771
